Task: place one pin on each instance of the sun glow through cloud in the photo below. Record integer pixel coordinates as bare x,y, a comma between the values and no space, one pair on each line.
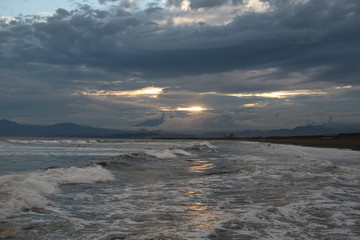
149,91
279,94
192,109
253,105
275,94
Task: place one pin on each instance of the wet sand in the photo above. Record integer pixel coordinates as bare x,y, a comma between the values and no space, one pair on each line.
344,141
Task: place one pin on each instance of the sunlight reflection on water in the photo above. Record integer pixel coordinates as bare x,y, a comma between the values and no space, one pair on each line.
200,166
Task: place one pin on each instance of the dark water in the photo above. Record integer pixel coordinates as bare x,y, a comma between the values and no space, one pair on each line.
101,189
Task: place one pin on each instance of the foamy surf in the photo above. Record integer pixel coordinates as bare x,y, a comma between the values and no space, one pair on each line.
26,191
168,153
157,189
51,141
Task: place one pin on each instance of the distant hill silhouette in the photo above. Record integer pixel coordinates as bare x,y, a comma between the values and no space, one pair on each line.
13,129
308,130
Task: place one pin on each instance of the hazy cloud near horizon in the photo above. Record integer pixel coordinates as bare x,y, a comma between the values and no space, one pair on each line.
251,64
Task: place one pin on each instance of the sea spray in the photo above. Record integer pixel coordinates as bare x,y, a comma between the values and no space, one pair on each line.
19,192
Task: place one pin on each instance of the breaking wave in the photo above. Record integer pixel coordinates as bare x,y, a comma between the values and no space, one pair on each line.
168,153
20,192
184,151
51,141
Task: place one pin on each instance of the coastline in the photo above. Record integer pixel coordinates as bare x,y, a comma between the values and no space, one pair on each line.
341,141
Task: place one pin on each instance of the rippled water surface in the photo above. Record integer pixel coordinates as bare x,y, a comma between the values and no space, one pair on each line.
157,189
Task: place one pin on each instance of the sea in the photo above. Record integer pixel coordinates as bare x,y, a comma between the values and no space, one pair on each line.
111,189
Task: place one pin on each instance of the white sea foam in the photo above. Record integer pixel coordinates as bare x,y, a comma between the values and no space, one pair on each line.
208,144
51,141
202,147
205,144
168,153
19,192
161,154
181,150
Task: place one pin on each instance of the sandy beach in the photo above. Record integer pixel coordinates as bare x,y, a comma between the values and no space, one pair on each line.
344,141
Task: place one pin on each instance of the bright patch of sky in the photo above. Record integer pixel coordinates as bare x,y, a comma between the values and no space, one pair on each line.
151,91
14,8
38,7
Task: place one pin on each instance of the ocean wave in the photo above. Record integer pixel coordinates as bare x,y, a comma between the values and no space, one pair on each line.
168,153
149,153
182,150
201,147
51,141
20,192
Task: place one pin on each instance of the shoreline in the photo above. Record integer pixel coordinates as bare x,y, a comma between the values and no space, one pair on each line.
341,141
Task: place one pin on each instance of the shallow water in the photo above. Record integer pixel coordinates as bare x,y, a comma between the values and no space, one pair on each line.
142,189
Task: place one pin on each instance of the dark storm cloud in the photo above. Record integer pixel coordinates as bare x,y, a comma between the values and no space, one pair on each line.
292,37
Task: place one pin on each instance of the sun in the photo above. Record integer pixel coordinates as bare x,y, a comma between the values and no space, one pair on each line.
192,109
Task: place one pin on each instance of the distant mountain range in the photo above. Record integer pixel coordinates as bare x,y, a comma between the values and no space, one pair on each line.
308,130
13,129
71,130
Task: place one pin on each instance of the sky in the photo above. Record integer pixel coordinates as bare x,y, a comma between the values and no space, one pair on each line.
180,65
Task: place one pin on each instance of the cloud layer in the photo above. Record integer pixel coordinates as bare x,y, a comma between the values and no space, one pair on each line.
221,55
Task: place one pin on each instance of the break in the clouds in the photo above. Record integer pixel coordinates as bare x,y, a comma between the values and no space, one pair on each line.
247,64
